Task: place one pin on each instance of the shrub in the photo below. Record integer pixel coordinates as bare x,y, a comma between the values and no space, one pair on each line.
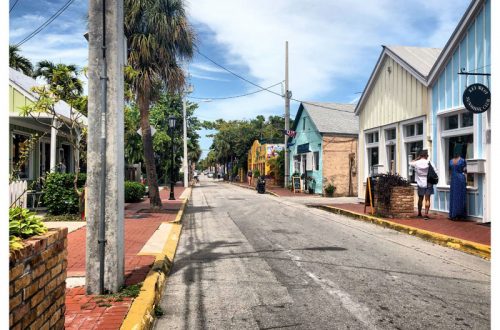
328,186
23,224
59,195
384,185
256,173
134,191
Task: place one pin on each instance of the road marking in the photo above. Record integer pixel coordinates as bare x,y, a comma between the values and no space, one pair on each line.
359,311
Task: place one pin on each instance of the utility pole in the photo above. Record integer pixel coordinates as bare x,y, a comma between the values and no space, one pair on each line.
105,150
184,129
288,95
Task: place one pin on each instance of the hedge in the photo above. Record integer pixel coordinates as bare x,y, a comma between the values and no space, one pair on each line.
134,191
59,195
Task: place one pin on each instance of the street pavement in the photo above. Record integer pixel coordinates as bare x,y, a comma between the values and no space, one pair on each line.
251,261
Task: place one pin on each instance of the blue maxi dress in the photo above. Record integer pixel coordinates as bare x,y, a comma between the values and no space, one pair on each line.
458,190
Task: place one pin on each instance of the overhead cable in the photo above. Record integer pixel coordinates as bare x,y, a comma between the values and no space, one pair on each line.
46,23
232,97
267,89
15,3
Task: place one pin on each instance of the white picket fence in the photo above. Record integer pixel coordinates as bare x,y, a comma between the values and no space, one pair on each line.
16,189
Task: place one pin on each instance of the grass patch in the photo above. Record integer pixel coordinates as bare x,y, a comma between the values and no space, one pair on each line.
158,311
63,217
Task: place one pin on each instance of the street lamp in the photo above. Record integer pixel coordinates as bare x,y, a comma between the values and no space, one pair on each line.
171,125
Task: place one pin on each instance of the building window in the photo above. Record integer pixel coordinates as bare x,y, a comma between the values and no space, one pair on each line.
316,160
466,145
414,129
304,124
372,137
412,150
21,160
390,134
372,158
467,119
44,158
451,122
391,158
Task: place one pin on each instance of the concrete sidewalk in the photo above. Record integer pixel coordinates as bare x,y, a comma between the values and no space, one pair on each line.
108,312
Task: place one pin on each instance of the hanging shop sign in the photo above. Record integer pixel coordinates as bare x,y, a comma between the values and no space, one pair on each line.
477,98
303,148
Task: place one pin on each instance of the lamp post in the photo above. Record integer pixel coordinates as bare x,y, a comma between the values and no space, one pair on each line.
171,125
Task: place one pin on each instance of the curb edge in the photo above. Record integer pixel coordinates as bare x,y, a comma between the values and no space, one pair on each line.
141,313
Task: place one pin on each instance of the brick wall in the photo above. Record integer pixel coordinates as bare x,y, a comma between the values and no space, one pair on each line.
336,153
401,205
37,275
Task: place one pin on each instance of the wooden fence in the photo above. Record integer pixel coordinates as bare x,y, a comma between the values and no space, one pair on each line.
17,189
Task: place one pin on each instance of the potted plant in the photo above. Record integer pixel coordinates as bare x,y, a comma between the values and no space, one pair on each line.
328,187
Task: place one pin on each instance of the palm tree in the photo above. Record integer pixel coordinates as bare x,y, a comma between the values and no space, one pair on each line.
19,62
62,78
159,36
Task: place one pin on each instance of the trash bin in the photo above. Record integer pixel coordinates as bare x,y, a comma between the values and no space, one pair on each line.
261,185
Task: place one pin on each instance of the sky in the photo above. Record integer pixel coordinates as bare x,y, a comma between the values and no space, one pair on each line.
333,46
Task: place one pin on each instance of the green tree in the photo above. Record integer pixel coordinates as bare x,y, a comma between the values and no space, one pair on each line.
19,62
159,36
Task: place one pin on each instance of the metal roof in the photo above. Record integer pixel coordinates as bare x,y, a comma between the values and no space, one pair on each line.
26,83
419,58
418,61
331,117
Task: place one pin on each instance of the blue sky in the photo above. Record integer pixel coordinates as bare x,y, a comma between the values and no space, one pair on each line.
333,45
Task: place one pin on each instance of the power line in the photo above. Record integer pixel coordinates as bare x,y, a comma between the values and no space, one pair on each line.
15,3
267,89
46,23
232,97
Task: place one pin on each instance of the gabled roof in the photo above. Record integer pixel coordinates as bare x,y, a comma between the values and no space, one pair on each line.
330,117
457,35
418,61
25,83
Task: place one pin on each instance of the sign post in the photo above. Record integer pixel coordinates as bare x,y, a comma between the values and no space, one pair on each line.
369,196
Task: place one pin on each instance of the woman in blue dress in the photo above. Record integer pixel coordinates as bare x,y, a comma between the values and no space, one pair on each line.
458,190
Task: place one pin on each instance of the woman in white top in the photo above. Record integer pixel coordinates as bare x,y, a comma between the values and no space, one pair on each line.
425,189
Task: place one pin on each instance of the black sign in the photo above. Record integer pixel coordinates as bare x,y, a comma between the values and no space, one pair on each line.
477,98
303,148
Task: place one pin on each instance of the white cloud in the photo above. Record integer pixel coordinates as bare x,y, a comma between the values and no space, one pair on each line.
329,41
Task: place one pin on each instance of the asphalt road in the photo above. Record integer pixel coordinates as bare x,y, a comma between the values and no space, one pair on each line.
250,261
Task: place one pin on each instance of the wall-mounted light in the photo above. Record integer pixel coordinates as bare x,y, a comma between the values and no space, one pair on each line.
389,69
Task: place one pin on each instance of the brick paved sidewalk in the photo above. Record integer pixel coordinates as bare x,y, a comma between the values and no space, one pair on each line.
438,223
95,312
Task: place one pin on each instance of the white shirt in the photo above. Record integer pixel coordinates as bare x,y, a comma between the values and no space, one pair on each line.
421,168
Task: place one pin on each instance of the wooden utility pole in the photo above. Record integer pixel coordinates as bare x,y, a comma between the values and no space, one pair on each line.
288,94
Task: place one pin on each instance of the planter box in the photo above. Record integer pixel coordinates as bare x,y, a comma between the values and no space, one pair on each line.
37,282
401,205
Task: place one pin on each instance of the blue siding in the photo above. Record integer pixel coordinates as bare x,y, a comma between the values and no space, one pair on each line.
309,135
454,77
463,64
448,85
471,57
474,54
487,36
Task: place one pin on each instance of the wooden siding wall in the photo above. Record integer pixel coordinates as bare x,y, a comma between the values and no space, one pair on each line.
395,96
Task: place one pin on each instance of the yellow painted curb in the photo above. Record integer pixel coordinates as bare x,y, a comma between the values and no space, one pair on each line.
141,314
478,249
180,214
